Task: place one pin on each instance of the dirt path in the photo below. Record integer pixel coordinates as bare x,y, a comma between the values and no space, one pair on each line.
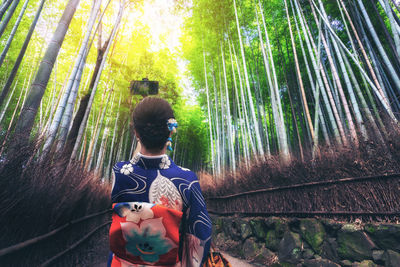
235,262
97,256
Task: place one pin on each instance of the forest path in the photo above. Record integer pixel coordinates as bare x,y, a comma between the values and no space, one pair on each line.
235,262
98,255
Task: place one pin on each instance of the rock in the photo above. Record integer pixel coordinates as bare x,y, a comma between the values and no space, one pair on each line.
258,227
257,252
272,241
250,247
226,225
313,233
270,222
279,225
233,247
294,225
365,263
265,256
377,255
235,229
354,244
290,248
329,249
319,263
386,236
331,226
245,230
308,254
217,223
346,263
219,239
391,258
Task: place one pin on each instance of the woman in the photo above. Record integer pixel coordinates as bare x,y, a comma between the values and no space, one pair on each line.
151,177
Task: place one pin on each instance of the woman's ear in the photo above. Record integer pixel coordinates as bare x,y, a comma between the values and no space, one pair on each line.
136,134
138,144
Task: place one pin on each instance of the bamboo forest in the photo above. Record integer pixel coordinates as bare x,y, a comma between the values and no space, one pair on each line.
266,93
280,77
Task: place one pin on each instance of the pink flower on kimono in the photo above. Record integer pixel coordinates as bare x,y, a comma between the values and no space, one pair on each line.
134,211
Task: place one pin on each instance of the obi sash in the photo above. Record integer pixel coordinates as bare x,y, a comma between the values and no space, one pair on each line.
145,234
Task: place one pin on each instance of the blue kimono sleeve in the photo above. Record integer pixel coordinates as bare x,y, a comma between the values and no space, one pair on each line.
198,221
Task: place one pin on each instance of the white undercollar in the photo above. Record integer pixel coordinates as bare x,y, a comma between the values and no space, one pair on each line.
151,157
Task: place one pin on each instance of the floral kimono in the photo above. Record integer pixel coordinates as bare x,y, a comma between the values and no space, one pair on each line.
152,180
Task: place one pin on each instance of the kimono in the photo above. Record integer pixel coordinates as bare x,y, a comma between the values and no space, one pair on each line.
158,180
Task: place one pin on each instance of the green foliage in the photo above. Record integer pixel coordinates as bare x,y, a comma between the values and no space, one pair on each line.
192,137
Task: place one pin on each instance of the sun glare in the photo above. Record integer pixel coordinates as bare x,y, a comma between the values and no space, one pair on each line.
165,25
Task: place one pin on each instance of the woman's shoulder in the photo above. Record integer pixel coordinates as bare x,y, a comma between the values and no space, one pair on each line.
123,167
184,173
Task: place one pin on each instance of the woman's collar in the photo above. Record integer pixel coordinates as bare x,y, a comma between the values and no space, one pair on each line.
152,162
151,157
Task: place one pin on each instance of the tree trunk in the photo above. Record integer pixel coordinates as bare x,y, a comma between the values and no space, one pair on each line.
386,32
335,74
29,111
4,8
371,70
275,97
69,109
381,99
12,34
113,139
209,115
229,119
248,136
10,13
3,112
300,80
96,133
80,59
357,112
218,136
21,54
318,116
95,81
257,133
381,50
12,120
393,25
100,159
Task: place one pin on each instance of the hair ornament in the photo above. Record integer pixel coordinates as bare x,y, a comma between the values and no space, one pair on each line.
172,125
169,144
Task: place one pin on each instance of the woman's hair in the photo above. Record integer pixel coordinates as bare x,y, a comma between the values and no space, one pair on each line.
150,119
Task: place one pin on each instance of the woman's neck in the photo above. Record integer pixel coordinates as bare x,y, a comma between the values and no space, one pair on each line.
146,152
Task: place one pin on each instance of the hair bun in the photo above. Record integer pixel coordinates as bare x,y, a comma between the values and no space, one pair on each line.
150,121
